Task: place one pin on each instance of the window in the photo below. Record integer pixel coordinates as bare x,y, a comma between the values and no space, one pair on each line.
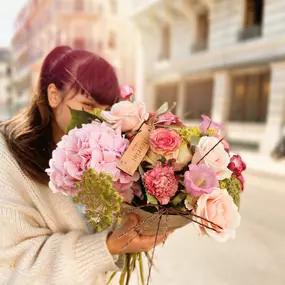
165,43
79,5
202,32
253,13
112,42
249,100
253,19
198,99
166,93
113,6
79,43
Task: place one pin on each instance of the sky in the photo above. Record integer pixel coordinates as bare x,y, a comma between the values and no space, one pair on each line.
8,11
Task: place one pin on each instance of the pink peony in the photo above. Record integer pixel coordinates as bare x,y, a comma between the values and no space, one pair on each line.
165,142
169,119
200,179
127,92
161,183
129,116
96,146
219,208
236,165
208,123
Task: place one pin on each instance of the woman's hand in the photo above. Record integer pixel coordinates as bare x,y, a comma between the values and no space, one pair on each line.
135,242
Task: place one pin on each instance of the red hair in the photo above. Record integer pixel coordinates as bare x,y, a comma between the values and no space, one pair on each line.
29,134
65,67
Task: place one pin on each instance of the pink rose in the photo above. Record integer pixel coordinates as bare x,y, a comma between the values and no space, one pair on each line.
208,123
219,208
127,92
236,165
169,119
161,183
127,115
215,156
165,142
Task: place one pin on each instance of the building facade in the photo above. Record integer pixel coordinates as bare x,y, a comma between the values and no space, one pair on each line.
222,58
98,26
5,83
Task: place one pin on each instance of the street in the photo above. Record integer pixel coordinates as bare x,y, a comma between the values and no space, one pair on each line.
255,257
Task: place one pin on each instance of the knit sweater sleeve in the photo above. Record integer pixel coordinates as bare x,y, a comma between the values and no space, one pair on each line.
30,253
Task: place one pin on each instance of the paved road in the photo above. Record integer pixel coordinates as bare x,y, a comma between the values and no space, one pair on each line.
256,257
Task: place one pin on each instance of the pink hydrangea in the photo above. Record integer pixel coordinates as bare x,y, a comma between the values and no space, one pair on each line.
161,183
96,146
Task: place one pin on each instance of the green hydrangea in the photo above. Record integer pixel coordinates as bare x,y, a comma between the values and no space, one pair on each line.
186,133
234,188
101,199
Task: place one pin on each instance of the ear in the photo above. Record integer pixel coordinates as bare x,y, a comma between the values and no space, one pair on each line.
54,96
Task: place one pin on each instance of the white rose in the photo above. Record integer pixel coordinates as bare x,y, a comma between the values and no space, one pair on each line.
218,158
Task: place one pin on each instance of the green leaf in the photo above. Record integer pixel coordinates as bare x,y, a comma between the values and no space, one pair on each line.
178,198
162,109
151,199
78,118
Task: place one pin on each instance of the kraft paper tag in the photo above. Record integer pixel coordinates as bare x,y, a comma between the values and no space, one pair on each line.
136,151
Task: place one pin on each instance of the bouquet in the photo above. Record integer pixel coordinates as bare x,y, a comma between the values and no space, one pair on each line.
127,160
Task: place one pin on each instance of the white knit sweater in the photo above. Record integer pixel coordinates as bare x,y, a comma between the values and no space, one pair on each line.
43,238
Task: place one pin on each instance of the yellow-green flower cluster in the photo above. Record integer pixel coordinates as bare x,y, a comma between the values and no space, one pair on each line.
101,200
97,112
211,132
186,133
234,188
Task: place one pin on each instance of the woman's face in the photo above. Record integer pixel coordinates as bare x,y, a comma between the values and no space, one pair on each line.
74,101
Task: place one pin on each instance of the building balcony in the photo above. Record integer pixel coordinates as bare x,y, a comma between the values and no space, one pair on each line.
251,32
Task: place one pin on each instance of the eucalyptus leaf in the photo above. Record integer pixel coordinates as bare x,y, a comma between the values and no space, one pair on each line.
162,109
78,118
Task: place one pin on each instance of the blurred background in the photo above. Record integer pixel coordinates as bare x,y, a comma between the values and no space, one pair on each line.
223,58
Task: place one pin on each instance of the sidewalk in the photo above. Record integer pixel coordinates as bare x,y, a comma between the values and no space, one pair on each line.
263,164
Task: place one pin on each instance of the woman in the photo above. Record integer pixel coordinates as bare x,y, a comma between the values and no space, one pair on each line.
44,239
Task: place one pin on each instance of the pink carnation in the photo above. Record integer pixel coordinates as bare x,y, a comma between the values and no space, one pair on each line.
96,146
161,183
